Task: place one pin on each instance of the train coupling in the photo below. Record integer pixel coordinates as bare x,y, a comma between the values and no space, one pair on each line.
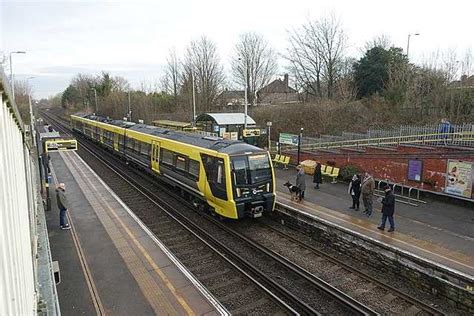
256,211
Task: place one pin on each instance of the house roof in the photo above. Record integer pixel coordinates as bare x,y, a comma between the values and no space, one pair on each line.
226,118
277,86
232,94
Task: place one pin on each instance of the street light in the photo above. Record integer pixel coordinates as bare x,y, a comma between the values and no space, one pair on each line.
245,93
95,96
194,97
32,118
408,42
300,139
12,81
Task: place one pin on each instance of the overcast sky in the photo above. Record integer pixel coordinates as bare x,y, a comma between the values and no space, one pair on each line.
132,38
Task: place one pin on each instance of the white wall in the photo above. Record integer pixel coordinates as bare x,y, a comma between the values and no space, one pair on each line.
17,281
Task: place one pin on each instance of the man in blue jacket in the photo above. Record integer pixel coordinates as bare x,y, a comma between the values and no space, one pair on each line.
388,208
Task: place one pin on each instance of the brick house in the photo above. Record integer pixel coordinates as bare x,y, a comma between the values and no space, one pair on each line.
277,91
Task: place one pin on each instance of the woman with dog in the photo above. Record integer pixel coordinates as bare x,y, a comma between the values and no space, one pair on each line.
301,181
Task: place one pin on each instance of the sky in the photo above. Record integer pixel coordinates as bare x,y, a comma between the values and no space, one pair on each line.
133,38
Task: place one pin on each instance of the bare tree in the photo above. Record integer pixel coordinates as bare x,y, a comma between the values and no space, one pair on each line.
170,81
332,41
316,54
203,61
305,62
254,64
381,40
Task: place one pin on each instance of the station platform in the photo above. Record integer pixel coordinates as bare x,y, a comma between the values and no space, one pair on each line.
440,232
110,263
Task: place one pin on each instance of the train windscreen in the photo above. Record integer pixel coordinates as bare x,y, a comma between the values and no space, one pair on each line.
251,169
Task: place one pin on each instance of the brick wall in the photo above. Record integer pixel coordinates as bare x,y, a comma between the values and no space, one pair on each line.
392,164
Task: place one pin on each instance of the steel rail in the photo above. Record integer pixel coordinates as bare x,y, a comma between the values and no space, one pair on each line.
425,307
224,252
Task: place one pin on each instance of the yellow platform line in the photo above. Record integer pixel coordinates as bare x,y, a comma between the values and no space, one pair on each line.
143,251
95,297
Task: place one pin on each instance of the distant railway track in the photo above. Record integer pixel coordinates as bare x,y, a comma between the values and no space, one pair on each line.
283,281
290,282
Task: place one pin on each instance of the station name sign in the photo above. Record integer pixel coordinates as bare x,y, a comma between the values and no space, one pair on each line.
290,139
60,145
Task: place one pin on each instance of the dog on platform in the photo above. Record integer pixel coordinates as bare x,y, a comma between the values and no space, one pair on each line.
295,192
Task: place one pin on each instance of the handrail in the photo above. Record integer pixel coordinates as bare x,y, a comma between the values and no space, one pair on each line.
464,136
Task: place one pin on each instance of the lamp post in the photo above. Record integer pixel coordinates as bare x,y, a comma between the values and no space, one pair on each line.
245,91
95,96
12,81
408,42
32,117
269,125
300,138
129,111
194,97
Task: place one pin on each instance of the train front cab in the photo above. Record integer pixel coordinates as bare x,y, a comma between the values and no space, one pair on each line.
252,184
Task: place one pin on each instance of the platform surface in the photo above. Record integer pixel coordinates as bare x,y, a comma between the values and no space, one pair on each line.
110,263
438,231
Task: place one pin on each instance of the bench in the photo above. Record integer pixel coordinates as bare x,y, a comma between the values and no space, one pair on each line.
330,171
281,159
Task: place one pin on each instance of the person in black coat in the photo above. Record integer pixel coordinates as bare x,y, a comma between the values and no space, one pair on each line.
354,191
388,209
318,177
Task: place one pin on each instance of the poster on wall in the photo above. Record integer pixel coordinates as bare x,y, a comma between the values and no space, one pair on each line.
459,177
415,170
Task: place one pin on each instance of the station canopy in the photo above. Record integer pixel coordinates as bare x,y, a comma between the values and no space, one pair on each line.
225,118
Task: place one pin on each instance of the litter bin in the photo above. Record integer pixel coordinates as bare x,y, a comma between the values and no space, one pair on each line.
308,166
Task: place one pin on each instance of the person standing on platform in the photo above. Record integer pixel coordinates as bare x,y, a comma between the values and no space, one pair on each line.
62,205
388,208
354,191
301,181
368,188
318,176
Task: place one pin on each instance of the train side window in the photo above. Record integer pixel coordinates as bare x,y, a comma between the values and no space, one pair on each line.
215,173
130,143
194,168
166,157
145,149
181,163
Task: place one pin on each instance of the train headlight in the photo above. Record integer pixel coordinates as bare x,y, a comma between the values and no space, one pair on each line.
239,192
268,187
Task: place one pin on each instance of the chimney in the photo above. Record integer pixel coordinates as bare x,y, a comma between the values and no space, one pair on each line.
285,80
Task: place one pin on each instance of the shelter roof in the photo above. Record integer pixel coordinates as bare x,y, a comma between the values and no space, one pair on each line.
226,118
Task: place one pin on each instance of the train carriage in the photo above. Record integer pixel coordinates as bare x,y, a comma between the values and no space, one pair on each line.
233,178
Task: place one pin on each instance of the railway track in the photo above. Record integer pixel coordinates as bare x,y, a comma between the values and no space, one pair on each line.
207,261
278,279
382,297
278,274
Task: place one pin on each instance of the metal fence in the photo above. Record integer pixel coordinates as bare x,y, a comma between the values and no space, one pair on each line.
461,135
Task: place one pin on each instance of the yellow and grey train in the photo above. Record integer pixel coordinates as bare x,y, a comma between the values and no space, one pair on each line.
232,178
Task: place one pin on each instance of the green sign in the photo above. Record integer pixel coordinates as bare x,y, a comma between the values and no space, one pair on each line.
290,139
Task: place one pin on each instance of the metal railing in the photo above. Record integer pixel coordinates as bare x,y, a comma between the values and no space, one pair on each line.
462,137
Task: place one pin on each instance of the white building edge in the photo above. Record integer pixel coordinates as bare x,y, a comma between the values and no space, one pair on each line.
26,275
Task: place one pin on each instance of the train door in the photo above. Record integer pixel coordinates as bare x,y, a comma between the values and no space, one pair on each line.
116,141
155,156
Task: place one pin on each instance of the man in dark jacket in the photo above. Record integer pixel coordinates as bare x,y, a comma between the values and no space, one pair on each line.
318,177
62,205
388,208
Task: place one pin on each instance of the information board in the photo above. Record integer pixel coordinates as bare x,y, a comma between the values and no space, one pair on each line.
415,170
290,139
459,178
